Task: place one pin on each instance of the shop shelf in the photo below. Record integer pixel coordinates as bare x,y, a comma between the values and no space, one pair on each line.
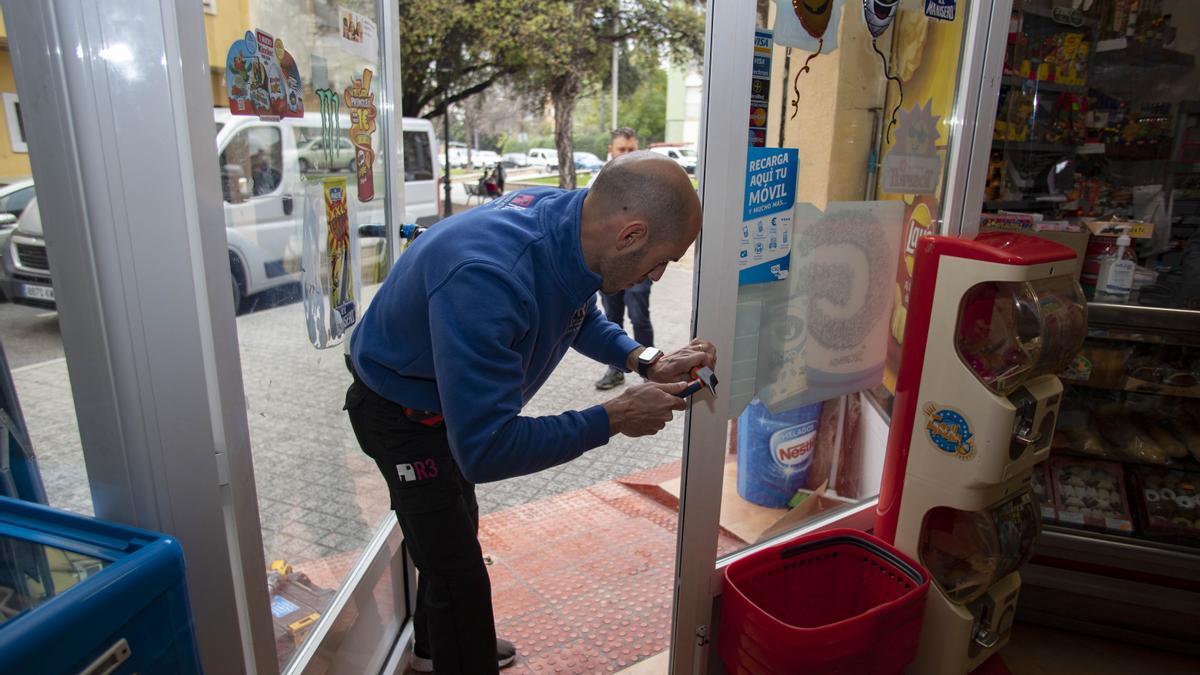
1122,54
1048,13
1042,85
1137,318
1023,146
1186,167
1133,385
1133,550
1019,205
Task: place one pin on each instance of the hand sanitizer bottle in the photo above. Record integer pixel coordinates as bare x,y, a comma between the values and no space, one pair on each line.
1115,282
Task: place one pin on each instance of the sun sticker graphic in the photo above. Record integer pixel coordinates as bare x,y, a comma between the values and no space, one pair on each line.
918,133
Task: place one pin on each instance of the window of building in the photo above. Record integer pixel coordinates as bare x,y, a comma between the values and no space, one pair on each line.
16,127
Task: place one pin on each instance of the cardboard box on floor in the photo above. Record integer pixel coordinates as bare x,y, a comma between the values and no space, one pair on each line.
1026,223
753,523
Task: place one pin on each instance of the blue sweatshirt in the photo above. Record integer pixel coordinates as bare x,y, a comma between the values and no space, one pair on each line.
475,316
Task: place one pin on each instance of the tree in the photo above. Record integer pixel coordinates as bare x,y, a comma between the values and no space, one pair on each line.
646,108
568,42
451,50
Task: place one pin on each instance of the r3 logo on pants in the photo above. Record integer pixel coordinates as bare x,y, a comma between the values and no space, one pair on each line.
422,469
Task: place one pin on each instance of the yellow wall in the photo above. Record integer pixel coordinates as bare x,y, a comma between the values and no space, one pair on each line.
229,24
838,98
13,164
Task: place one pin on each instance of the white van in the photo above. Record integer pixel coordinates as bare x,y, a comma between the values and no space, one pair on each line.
543,158
265,166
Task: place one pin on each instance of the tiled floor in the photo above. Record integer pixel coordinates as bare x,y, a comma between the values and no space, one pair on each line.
581,582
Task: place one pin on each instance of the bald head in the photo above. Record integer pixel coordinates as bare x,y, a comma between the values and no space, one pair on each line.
641,214
648,186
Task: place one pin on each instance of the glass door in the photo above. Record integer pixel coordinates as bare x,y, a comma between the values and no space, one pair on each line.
853,148
307,146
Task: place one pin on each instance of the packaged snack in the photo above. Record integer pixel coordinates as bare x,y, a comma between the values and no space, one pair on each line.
1168,502
1122,434
1187,427
1090,493
1041,486
1158,426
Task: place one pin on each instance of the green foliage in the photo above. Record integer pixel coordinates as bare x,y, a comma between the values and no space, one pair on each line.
646,109
549,49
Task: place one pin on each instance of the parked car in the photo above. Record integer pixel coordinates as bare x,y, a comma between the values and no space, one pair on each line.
514,160
458,157
15,199
262,181
586,161
484,159
684,156
545,159
313,156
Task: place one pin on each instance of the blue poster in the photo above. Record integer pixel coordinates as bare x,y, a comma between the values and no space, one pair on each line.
766,240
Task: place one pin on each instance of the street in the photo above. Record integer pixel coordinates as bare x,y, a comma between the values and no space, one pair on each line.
318,494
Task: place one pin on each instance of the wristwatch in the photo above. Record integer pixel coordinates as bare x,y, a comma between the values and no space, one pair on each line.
646,359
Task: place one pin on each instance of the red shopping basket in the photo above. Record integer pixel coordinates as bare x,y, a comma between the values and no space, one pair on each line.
840,602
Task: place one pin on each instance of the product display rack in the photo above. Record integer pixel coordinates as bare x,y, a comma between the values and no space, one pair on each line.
1134,586
1066,67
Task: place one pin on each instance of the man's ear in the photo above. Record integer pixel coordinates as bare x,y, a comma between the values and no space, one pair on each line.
632,235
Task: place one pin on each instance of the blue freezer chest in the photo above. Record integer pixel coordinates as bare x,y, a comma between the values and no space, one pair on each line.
78,595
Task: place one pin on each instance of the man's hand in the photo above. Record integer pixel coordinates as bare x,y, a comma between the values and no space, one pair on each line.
677,366
644,409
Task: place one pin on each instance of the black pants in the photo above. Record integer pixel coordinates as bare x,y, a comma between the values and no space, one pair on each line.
438,513
637,299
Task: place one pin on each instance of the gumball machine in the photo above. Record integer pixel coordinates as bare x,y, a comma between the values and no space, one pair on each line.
990,323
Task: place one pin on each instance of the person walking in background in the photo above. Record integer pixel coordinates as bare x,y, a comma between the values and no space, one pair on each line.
623,140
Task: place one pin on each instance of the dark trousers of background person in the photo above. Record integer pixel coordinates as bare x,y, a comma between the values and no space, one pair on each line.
437,511
637,299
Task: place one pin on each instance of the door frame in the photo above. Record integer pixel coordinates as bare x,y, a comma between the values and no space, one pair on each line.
729,35
147,320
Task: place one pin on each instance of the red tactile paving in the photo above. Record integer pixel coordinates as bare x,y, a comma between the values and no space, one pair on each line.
581,582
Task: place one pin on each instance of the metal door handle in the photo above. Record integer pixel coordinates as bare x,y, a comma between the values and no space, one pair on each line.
288,205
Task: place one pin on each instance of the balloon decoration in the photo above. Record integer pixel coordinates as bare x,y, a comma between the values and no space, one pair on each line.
878,15
815,18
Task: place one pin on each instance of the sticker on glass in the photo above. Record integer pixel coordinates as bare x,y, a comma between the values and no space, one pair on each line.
330,277
912,166
361,102
942,10
766,240
811,25
261,78
358,35
878,15
824,334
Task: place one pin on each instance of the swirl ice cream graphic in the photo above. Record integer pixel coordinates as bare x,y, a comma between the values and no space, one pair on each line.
827,336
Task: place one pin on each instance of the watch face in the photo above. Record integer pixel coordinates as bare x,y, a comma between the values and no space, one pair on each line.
649,355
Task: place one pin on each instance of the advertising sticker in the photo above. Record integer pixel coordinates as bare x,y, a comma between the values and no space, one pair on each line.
766,240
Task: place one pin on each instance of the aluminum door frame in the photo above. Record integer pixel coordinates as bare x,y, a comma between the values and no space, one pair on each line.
729,34
118,97
118,102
